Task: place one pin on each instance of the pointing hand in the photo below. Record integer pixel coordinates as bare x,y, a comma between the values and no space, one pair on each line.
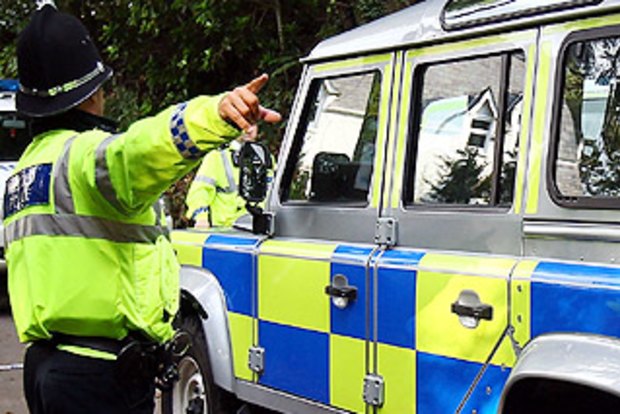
242,107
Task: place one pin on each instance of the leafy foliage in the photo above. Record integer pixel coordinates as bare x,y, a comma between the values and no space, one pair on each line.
166,51
462,179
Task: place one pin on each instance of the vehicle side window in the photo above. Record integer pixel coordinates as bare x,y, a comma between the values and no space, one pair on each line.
466,132
335,145
587,160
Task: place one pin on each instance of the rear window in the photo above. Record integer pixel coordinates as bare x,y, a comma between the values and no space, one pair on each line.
586,167
466,134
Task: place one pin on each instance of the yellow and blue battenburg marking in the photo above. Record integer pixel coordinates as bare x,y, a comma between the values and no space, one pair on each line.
396,334
450,356
349,329
396,297
320,352
294,314
232,260
275,294
573,297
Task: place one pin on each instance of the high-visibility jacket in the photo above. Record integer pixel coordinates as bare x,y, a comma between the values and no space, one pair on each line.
213,195
86,254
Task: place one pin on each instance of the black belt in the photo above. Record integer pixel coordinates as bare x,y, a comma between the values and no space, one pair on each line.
137,357
112,346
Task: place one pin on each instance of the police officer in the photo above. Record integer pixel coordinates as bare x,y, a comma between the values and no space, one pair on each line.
90,268
212,199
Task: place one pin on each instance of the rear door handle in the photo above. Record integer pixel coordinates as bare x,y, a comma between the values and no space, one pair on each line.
481,311
341,292
470,309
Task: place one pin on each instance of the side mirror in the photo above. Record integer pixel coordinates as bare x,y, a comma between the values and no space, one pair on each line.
254,166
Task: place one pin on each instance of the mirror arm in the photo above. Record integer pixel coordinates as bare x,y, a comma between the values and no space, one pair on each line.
262,223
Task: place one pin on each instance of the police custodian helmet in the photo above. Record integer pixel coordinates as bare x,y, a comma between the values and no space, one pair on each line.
58,64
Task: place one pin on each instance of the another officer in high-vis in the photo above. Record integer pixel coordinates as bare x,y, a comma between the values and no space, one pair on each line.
213,199
90,268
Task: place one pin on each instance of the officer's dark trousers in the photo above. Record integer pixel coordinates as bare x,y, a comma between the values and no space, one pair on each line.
57,382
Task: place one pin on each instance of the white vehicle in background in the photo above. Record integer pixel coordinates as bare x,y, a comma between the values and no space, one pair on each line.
13,141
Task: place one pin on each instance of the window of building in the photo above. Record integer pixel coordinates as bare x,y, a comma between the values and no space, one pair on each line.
335,145
586,167
466,132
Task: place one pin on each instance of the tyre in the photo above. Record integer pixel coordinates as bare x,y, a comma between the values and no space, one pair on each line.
195,391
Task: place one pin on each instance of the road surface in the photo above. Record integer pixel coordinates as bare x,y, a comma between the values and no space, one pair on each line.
11,352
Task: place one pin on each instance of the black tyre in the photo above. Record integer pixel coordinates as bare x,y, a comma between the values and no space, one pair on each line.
195,391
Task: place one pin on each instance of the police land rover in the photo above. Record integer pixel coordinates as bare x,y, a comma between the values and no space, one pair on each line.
13,141
442,233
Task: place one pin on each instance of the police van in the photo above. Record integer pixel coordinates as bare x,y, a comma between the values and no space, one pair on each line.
443,231
13,141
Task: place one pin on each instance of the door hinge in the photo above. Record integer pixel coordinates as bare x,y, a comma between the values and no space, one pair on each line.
256,360
516,347
386,231
374,389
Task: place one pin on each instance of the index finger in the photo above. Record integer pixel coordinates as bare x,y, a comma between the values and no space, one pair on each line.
256,84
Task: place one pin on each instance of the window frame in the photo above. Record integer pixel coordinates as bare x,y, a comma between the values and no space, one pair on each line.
572,202
298,142
542,9
413,136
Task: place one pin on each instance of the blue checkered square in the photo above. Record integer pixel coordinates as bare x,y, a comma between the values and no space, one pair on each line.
186,147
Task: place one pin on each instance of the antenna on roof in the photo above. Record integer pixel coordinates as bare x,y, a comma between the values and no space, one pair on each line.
42,3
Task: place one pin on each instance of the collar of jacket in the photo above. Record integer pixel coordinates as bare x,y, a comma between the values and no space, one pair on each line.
75,120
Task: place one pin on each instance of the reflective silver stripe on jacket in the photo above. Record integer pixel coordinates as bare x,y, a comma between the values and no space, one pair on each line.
63,199
81,226
230,175
205,179
102,174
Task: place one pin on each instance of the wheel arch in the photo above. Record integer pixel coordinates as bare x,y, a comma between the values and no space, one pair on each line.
202,294
581,366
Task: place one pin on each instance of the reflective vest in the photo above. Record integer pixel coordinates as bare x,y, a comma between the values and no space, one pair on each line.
85,252
213,194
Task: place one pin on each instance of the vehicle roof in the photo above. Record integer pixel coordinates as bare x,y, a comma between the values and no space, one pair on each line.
422,23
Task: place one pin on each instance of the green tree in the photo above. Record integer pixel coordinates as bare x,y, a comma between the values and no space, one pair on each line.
462,179
166,51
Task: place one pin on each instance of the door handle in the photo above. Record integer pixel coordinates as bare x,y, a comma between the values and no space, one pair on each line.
481,311
340,291
470,309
